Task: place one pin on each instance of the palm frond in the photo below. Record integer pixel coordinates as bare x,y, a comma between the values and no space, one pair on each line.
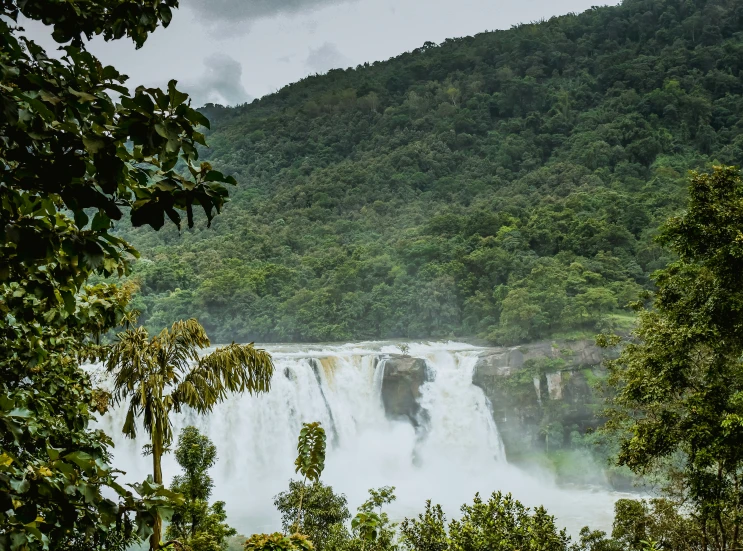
145,369
233,368
128,360
181,345
130,423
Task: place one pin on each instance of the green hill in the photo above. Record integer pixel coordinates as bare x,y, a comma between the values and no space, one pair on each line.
506,185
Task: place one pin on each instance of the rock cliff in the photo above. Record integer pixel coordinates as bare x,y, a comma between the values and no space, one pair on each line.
535,389
543,397
403,377
542,390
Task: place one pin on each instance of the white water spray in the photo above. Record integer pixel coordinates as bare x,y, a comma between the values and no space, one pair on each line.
456,453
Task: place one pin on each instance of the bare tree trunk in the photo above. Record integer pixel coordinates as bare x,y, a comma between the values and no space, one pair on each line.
736,526
157,475
297,525
718,514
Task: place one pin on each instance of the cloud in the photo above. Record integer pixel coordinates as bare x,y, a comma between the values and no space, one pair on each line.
326,57
220,83
231,12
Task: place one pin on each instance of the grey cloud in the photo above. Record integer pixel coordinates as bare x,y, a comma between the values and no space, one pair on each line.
231,12
220,83
326,57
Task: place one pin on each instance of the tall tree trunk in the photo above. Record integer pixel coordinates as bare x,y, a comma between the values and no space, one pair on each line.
297,524
718,514
736,516
157,475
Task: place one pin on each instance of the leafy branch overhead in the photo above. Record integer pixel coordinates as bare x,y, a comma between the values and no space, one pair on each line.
75,161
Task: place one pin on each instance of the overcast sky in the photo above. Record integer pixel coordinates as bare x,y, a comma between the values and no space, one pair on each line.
230,51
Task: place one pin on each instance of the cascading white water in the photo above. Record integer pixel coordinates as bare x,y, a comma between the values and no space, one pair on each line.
456,453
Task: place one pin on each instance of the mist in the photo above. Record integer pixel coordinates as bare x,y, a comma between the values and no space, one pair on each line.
455,454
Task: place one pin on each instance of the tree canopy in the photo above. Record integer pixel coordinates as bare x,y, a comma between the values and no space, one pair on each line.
197,525
73,162
507,185
160,376
679,380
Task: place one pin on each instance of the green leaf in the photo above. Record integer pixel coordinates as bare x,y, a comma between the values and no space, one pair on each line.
18,541
100,221
166,15
81,219
81,459
176,97
21,413
70,303
20,486
197,118
84,96
93,144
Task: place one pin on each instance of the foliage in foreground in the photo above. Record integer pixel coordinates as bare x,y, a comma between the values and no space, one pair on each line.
73,162
310,461
371,528
161,375
637,522
324,512
679,380
278,542
197,525
501,522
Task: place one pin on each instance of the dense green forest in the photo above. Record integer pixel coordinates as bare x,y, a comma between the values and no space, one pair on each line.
473,188
507,185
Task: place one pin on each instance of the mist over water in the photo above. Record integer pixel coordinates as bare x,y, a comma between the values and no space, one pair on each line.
455,453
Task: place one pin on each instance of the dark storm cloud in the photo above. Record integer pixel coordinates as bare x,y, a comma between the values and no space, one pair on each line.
231,12
221,82
326,57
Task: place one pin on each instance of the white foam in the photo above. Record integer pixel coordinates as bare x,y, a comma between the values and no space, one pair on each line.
457,454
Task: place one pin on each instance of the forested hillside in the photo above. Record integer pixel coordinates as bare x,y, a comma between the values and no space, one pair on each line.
506,185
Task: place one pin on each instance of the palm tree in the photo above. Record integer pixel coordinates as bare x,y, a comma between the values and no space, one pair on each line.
162,374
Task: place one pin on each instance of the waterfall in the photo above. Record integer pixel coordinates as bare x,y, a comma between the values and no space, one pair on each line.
455,453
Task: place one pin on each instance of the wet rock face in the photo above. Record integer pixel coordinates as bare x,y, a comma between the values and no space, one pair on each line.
524,396
403,377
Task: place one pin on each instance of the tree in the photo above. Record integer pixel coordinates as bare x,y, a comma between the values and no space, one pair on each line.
637,522
325,512
74,161
679,401
197,525
499,523
278,542
160,375
428,531
310,460
371,526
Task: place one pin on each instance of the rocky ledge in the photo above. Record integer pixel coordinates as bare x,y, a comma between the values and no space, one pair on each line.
530,387
403,377
541,387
